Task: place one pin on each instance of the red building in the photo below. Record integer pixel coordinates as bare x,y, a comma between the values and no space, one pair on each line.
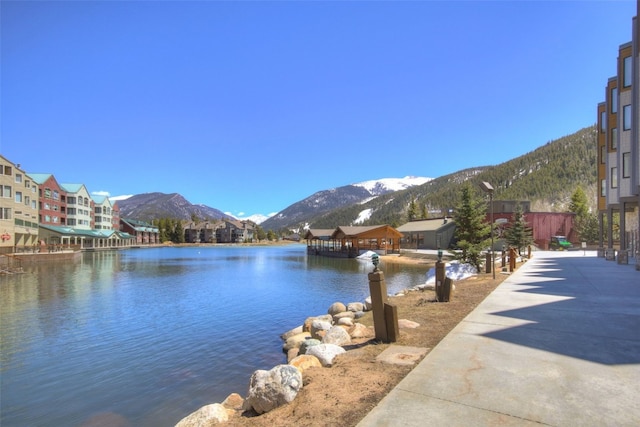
52,200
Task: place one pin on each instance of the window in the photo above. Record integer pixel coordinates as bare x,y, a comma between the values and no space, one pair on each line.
603,122
626,117
614,100
603,188
47,206
71,200
56,195
7,170
18,196
47,193
19,178
626,165
614,177
33,204
627,71
614,139
5,213
27,200
5,191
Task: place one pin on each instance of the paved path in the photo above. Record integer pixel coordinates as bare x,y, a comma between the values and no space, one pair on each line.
557,343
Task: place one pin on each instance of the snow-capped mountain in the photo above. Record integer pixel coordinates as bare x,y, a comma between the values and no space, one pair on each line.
324,201
386,185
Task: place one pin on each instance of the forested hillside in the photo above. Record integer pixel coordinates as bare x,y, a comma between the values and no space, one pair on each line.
546,177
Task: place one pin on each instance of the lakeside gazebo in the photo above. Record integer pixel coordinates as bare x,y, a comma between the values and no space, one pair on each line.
351,241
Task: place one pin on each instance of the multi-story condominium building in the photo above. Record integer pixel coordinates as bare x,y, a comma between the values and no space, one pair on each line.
619,155
103,218
18,207
80,207
52,200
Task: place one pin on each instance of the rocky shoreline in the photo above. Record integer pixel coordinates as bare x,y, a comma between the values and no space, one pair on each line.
313,344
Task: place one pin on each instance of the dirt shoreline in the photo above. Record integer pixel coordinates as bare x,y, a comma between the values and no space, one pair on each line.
346,392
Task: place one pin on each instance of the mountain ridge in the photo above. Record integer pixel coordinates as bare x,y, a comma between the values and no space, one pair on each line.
546,176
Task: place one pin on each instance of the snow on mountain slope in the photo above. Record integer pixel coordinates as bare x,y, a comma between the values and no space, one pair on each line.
386,185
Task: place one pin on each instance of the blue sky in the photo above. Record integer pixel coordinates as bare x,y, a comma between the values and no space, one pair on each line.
251,106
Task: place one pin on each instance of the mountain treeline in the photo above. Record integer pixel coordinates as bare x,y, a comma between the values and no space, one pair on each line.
547,177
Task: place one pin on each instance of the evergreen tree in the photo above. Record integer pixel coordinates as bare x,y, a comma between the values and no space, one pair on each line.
412,211
423,211
259,233
473,232
586,223
579,203
519,235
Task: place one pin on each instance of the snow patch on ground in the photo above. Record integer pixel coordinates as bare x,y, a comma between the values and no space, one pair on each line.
453,270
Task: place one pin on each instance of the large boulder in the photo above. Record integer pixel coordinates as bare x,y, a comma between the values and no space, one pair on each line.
337,335
271,389
337,307
325,353
208,415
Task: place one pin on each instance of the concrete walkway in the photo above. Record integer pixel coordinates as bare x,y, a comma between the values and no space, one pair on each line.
557,343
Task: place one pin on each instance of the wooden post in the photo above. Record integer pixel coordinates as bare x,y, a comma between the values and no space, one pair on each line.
440,276
391,322
378,291
512,259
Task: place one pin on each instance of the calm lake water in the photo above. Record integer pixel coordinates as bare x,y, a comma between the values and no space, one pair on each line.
153,334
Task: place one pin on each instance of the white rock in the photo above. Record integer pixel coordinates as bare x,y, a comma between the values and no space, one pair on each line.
355,306
325,353
271,389
208,415
318,326
345,321
337,335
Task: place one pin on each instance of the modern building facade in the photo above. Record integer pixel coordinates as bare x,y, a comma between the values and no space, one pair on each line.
619,156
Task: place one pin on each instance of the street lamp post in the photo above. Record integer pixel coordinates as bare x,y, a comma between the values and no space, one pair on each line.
488,188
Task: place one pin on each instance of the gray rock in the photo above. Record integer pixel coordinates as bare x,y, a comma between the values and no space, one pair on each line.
337,335
325,353
368,305
358,314
271,389
308,343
